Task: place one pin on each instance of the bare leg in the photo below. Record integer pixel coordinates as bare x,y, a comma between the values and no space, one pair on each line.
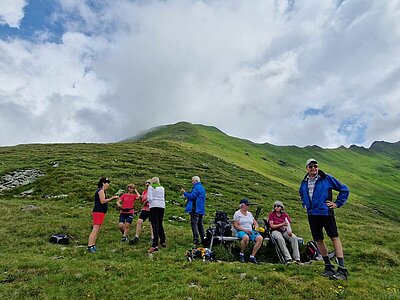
322,248
337,245
257,245
126,229
93,235
121,227
244,243
139,227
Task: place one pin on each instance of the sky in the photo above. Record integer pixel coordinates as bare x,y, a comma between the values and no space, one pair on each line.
285,72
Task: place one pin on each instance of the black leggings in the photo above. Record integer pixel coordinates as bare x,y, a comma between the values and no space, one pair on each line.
157,215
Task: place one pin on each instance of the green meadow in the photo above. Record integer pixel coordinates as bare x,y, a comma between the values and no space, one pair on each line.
231,169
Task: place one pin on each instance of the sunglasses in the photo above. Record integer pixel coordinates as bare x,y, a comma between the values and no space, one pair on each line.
147,183
313,166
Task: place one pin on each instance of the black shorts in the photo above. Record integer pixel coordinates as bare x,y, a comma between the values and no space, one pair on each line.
144,214
126,218
319,222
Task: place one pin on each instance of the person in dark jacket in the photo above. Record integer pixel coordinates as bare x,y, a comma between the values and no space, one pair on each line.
316,196
99,211
195,206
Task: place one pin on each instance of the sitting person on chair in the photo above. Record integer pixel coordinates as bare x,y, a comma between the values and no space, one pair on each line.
279,222
243,223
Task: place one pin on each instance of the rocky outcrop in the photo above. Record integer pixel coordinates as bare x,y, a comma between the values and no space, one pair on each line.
19,178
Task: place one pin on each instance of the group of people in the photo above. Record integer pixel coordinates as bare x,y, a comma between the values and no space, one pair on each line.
153,206
315,193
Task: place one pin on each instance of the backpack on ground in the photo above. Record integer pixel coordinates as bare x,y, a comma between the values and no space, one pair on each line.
59,238
203,253
312,251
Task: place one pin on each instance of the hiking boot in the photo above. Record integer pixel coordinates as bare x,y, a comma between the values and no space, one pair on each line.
341,274
328,271
134,240
124,239
153,249
241,258
253,260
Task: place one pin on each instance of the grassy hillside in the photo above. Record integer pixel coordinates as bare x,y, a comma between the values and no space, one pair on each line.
231,169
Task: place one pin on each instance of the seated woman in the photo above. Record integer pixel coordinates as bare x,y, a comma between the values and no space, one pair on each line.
243,222
279,222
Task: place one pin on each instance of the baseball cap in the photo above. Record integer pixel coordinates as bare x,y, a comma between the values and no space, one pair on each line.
244,201
311,160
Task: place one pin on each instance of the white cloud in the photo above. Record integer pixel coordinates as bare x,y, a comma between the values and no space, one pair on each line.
12,12
253,69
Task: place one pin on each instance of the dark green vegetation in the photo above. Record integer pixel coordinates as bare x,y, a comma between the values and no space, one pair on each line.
231,169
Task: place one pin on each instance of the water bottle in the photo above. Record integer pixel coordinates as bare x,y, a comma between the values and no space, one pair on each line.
288,227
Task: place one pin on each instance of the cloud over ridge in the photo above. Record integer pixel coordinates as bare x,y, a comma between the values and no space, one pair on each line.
292,72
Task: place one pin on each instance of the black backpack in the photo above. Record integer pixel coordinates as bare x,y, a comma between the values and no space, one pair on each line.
222,225
59,238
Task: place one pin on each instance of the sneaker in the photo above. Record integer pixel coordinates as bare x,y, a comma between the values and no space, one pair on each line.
341,274
298,262
328,271
289,262
241,258
163,245
92,249
253,260
153,249
124,239
134,240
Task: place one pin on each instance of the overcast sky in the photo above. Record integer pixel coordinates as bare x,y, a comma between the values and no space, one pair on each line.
283,72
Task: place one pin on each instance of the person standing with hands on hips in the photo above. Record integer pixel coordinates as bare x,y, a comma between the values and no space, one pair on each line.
99,211
195,206
316,196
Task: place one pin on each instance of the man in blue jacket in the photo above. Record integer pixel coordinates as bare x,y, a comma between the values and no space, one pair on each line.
316,196
195,206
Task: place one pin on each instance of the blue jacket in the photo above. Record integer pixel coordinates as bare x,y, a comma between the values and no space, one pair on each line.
196,199
322,193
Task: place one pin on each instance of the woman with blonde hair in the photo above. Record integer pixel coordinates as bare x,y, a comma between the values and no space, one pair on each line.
156,199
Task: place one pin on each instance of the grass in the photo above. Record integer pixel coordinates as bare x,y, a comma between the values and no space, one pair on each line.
31,267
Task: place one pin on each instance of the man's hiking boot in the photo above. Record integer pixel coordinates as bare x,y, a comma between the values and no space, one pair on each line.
341,274
329,271
241,258
253,260
134,240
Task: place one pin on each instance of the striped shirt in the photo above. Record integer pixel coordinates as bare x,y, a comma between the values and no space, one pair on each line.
311,184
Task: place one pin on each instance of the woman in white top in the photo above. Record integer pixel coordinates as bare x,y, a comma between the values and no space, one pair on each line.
243,223
156,199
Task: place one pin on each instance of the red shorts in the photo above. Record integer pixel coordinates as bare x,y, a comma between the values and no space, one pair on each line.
98,218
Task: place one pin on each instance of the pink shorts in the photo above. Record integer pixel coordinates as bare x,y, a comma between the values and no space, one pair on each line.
98,218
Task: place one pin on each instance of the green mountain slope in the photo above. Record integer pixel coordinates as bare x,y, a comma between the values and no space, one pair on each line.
372,174
230,169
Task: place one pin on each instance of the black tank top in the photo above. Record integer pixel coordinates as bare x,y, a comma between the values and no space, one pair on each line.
98,206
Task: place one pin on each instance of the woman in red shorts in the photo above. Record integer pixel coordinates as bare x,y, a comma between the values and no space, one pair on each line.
99,211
